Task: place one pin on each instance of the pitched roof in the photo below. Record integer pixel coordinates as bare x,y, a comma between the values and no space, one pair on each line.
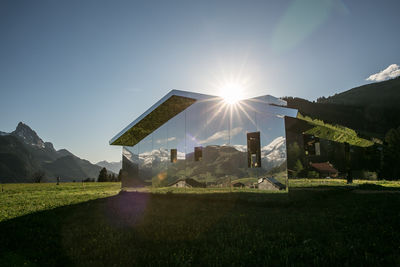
324,167
166,108
189,181
273,181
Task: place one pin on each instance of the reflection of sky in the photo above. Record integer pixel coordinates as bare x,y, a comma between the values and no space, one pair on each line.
211,123
224,135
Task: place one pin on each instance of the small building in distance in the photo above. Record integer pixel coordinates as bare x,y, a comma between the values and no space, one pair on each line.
269,183
238,185
187,183
325,169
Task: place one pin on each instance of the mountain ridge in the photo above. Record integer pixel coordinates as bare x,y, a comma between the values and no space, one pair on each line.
23,152
113,166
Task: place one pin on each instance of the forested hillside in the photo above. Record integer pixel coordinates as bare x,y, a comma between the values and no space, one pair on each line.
372,109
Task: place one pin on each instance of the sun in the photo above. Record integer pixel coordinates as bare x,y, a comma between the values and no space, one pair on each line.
231,93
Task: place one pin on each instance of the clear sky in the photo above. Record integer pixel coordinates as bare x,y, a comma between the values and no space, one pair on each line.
78,72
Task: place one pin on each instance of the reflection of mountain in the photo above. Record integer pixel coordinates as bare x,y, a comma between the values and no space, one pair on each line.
156,156
217,161
274,154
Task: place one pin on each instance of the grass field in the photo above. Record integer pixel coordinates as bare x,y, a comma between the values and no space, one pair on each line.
21,199
319,222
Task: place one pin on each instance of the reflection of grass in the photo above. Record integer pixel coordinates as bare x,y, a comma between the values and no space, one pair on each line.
245,227
293,183
336,133
169,190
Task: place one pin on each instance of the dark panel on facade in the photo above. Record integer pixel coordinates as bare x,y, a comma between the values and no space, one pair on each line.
174,155
253,150
198,153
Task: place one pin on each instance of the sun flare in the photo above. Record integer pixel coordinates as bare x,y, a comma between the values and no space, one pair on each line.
231,93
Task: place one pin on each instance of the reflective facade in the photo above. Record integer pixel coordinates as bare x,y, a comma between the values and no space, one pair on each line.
213,143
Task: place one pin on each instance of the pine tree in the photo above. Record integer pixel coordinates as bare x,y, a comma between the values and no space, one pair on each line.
298,168
102,175
119,176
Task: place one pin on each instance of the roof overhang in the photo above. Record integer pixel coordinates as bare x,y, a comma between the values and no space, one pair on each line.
166,108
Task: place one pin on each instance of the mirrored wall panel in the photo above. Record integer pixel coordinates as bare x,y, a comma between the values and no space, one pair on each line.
214,144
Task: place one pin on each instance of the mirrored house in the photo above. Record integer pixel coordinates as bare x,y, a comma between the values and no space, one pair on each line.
206,142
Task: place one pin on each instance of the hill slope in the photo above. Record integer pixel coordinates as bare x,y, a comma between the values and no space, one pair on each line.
371,109
384,94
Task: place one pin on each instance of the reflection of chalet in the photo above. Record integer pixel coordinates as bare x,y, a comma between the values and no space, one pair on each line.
269,183
311,141
325,169
238,185
187,183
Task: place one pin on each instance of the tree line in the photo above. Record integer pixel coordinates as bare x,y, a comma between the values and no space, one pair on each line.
104,176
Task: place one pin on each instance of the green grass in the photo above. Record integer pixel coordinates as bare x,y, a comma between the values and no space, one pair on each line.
21,199
293,183
336,133
334,226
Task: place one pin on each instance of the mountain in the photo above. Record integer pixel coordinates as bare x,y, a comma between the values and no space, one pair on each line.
63,152
274,154
28,136
112,166
23,152
372,109
72,167
17,163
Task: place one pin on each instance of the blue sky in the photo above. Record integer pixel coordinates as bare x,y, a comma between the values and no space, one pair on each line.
79,71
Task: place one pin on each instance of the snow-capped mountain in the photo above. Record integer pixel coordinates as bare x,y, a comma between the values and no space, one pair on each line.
274,154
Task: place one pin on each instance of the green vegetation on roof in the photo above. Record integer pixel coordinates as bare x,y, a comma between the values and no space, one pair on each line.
335,133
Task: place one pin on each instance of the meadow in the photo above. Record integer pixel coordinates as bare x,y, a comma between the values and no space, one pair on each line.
319,222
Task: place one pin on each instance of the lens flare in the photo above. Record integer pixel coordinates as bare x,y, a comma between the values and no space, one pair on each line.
231,93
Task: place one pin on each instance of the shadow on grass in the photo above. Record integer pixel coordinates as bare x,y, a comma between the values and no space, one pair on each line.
52,237
233,229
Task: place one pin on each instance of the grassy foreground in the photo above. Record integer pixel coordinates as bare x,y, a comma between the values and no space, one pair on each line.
21,199
317,223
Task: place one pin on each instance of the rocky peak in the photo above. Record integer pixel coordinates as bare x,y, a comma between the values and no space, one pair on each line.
49,146
28,135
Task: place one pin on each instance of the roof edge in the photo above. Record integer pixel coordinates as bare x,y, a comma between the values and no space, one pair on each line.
173,92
